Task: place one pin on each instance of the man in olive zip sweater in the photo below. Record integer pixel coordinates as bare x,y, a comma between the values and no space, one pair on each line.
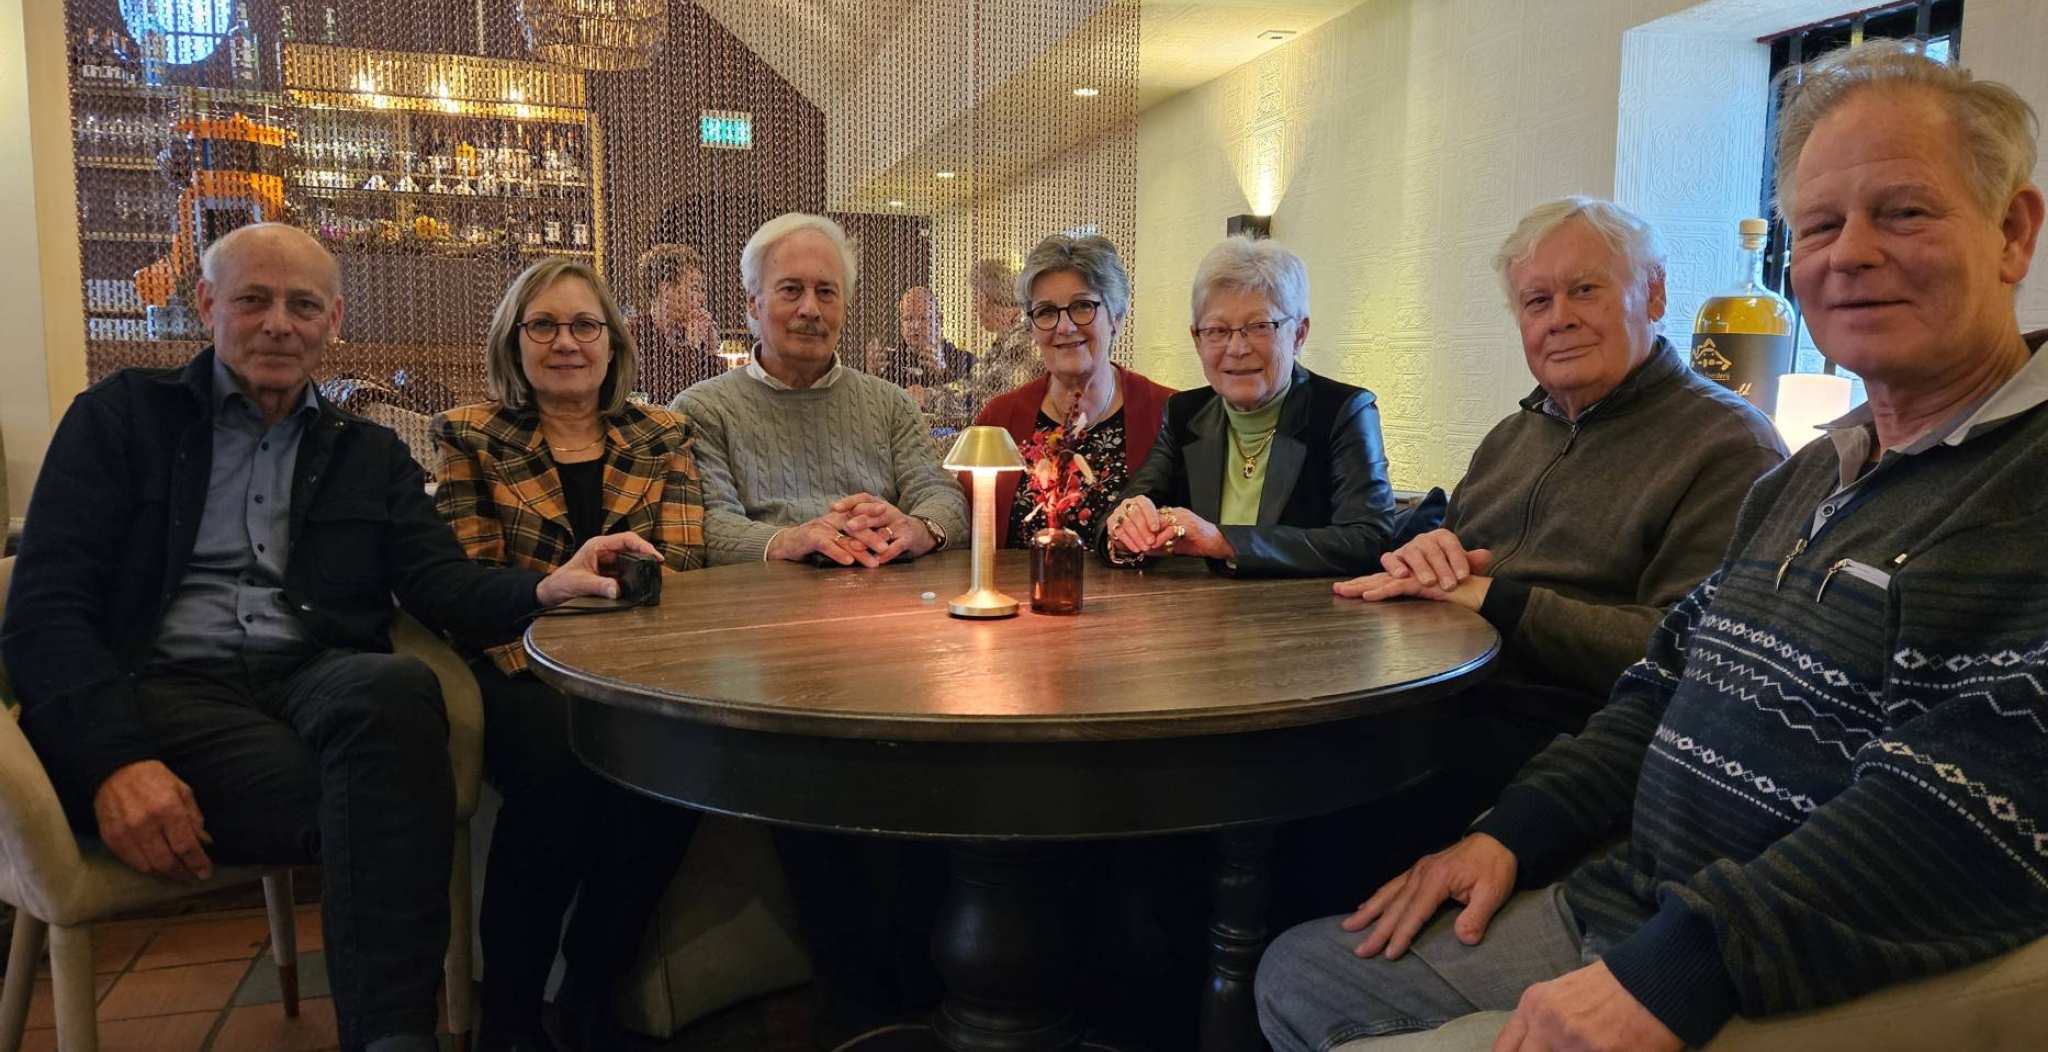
1584,515
1827,770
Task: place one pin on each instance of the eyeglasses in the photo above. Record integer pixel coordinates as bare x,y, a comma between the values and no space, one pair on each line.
543,330
1080,312
1256,333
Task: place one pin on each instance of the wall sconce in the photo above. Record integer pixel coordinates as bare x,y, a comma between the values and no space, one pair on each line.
1258,228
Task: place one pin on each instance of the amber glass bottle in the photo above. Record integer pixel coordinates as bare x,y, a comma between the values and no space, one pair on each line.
1742,338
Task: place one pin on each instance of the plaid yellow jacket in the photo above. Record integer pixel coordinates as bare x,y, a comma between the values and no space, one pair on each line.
500,492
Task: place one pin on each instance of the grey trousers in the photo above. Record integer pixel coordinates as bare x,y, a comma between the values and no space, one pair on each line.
1314,994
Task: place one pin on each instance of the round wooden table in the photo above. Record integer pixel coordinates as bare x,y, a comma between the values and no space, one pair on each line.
1177,701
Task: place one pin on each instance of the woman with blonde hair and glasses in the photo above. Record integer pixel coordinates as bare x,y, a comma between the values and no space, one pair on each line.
1271,470
556,456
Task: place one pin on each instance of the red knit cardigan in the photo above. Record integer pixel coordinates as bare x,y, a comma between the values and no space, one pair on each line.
1016,411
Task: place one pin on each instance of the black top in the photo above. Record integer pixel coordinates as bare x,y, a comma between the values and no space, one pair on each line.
1103,445
583,496
1326,509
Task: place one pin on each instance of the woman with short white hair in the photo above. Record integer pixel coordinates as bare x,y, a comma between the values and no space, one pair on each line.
1271,470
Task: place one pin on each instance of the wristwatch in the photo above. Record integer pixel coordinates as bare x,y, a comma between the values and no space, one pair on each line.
938,535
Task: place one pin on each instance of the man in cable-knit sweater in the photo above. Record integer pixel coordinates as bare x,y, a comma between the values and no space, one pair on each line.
802,457
1827,770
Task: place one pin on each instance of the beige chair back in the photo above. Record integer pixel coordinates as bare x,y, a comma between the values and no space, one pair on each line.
34,836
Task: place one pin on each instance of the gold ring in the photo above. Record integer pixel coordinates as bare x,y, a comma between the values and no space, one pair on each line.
1179,531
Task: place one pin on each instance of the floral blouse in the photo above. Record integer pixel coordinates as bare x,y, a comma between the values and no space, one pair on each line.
1103,445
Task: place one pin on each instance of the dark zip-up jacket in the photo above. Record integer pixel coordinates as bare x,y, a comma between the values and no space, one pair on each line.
111,526
1598,525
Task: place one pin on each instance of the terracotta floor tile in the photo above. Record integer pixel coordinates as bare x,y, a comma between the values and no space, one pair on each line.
114,945
42,1008
165,991
309,929
164,1033
264,1028
205,941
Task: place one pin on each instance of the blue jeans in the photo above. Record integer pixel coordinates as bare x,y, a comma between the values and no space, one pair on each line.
1314,994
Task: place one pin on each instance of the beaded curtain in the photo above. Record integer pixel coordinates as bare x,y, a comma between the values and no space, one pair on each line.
438,149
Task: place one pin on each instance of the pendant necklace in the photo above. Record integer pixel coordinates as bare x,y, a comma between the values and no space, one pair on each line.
1251,459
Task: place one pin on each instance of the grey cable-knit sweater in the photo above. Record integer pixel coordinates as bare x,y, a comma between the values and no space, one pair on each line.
773,458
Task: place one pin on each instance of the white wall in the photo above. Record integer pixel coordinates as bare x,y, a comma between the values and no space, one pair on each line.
24,385
1397,145
1401,141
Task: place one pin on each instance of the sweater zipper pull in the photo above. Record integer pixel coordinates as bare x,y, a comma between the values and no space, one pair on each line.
1826,578
1787,564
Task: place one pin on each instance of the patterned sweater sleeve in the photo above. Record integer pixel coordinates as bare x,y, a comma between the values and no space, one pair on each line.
1934,857
1580,790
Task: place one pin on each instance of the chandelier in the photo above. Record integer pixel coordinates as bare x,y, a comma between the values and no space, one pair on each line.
594,34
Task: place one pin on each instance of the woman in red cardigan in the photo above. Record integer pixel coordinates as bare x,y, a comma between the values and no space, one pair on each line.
1076,293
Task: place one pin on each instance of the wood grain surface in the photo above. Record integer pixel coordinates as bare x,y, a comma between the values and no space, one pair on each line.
859,653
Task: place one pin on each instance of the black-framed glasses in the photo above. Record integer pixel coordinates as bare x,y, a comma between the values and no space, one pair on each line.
1080,312
1256,333
582,330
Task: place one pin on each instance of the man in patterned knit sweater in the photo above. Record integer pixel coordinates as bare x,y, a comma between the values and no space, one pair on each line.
1827,772
801,456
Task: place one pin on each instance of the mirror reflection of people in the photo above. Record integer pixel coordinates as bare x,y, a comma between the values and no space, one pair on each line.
1272,469
924,362
1011,359
558,456
676,335
1080,293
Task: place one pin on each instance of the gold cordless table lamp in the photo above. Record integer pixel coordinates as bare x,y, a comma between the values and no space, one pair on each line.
983,451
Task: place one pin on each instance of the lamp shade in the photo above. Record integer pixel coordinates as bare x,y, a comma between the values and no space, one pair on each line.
985,447
1806,401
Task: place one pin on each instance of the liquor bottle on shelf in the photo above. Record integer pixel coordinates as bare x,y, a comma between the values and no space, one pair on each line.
552,229
1742,339
287,21
156,57
579,233
127,57
533,229
242,55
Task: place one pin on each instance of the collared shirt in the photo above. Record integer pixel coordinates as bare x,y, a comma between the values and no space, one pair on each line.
231,599
1854,434
754,370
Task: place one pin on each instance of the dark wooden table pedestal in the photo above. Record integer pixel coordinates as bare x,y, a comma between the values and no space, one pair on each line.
1181,702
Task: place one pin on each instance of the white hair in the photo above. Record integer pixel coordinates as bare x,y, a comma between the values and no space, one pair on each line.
1253,266
755,255
1628,234
1996,125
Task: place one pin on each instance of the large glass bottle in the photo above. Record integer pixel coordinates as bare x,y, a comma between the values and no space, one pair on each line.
1742,338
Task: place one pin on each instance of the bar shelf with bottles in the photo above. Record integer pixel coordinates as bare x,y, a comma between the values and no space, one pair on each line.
133,103
442,154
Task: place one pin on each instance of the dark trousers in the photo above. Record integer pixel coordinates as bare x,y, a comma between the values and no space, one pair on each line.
341,760
866,907
563,833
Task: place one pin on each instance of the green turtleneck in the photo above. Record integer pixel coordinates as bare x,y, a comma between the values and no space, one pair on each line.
1251,434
